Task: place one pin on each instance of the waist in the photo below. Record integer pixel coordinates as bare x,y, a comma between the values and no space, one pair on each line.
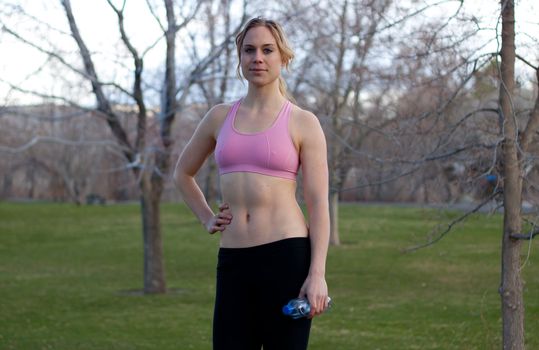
254,228
251,226
267,248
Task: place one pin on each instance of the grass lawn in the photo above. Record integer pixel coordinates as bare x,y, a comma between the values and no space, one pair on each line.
70,279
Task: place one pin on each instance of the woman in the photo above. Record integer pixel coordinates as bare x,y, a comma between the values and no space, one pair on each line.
268,253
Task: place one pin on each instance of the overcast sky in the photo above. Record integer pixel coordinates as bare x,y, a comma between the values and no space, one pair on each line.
98,26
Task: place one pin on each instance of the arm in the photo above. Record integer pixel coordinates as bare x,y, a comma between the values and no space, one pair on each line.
198,149
313,154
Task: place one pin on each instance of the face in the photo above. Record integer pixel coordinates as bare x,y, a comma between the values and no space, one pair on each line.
260,56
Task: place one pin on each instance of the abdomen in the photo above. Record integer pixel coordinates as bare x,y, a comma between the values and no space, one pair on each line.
264,210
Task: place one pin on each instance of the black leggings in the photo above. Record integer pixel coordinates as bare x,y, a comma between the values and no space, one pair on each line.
253,284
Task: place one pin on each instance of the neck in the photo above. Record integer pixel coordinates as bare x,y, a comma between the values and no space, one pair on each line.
259,97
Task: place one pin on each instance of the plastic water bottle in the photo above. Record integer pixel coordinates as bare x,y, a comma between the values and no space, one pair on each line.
299,307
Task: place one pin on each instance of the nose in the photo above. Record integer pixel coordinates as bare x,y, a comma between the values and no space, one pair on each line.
258,56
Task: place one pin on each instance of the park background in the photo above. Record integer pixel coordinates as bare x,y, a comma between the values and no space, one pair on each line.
96,108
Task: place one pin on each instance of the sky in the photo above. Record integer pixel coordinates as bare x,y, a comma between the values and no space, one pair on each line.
98,25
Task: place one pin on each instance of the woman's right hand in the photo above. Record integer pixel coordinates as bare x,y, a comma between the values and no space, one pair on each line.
219,221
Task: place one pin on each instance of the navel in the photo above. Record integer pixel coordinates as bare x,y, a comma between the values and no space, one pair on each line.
247,217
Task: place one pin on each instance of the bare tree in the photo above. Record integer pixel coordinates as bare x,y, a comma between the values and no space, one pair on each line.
149,160
512,161
511,283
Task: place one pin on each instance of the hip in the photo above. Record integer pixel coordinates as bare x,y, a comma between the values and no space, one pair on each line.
293,251
249,237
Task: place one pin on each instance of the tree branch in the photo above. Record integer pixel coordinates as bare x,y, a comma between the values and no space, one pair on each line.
525,236
415,13
46,96
451,224
103,103
381,182
62,61
528,63
138,94
532,126
39,139
189,18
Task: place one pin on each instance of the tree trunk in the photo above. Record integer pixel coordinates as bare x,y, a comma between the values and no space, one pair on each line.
210,191
154,271
511,282
334,238
335,186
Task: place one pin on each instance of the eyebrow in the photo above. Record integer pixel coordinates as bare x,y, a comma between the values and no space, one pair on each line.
264,45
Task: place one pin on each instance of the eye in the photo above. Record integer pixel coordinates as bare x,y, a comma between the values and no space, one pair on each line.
248,50
268,51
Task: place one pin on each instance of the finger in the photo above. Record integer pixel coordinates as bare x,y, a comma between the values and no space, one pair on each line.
222,221
315,307
223,206
219,228
318,305
225,216
321,305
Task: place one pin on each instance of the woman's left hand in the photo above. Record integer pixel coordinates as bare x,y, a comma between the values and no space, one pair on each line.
316,290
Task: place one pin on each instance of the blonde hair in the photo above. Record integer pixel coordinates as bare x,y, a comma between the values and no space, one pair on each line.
287,54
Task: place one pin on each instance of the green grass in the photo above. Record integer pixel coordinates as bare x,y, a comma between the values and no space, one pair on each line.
70,276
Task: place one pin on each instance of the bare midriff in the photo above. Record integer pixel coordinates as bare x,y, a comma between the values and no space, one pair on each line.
264,210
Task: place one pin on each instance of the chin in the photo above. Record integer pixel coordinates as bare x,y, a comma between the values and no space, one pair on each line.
260,81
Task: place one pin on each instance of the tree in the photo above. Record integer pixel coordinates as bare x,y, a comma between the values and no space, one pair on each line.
147,157
511,283
148,168
343,34
512,161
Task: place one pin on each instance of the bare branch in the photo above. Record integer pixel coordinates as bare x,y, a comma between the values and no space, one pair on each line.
528,63
137,85
449,19
451,224
39,139
381,182
46,96
189,18
64,62
532,127
525,236
431,156
102,102
154,14
204,63
415,13
47,52
457,150
151,46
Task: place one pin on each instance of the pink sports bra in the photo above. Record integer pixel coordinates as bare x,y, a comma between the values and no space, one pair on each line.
269,152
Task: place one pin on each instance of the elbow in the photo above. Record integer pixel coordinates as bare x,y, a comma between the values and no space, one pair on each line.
180,177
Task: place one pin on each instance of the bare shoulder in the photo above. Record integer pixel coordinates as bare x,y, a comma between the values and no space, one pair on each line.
304,125
214,118
217,113
304,118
